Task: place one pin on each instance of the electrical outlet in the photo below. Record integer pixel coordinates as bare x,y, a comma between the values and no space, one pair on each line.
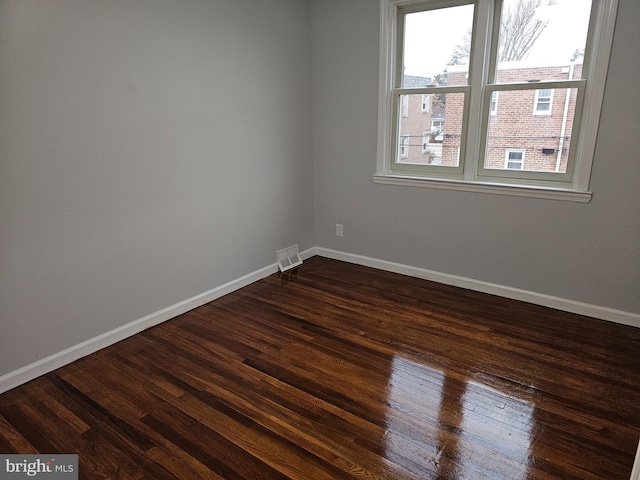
339,230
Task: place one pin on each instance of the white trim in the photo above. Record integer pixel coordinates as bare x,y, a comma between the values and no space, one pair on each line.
60,359
605,16
635,471
386,60
572,306
518,190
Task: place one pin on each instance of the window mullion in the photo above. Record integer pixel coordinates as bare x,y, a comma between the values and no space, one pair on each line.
481,51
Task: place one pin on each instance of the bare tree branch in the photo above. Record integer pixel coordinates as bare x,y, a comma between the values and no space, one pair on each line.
519,30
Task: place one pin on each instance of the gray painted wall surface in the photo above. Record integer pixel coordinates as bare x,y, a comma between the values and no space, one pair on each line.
150,150
588,253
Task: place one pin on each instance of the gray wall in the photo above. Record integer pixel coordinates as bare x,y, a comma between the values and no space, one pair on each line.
150,150
588,253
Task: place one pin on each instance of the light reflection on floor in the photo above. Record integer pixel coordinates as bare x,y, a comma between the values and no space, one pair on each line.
480,432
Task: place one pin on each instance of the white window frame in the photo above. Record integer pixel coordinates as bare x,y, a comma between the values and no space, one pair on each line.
472,176
507,152
540,100
404,100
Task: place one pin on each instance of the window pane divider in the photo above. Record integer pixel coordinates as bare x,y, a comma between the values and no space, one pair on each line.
432,90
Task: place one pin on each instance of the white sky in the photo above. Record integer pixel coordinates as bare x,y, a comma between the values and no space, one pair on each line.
437,32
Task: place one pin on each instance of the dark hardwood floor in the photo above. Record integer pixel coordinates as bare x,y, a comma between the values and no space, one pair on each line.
341,371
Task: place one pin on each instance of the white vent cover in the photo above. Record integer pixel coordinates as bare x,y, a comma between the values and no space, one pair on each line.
288,258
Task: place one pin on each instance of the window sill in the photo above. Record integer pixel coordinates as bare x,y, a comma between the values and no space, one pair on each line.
532,191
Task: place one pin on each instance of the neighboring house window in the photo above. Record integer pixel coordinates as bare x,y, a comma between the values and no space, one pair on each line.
404,146
493,106
514,160
425,141
405,105
543,102
424,107
484,60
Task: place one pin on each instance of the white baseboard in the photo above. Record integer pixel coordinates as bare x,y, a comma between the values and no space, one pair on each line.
57,360
635,471
572,306
60,359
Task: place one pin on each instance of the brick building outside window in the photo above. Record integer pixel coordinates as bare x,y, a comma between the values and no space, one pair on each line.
537,123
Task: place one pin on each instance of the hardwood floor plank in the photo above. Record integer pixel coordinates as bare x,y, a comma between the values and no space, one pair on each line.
343,371
12,440
180,464
31,426
218,454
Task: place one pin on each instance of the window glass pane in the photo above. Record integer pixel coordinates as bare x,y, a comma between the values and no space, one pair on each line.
433,136
542,39
543,140
434,40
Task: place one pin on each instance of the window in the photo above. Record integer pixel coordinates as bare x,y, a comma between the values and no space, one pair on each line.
493,106
514,160
479,59
543,102
404,146
424,108
425,141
